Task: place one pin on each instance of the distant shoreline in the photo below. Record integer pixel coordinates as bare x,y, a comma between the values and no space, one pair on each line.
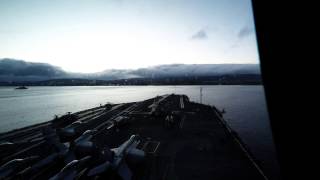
137,85
242,79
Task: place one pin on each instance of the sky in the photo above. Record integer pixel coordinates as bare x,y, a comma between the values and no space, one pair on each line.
94,35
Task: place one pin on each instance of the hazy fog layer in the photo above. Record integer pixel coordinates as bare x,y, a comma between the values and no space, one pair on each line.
18,70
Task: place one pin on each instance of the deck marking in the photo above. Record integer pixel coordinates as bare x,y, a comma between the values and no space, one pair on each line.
182,121
242,147
181,102
23,150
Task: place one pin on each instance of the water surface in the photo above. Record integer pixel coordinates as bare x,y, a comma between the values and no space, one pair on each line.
244,105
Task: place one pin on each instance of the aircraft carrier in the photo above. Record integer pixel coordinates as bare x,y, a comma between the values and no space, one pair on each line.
162,138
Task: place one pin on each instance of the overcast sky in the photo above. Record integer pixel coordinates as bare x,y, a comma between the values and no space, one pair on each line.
94,35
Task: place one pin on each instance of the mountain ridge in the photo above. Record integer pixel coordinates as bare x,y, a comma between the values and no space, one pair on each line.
12,70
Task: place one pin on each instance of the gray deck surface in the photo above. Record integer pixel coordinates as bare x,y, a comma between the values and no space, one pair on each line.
195,146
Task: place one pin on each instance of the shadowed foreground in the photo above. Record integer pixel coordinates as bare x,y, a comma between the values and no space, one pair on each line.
166,137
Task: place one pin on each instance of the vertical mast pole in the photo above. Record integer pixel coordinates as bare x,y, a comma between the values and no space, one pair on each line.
201,95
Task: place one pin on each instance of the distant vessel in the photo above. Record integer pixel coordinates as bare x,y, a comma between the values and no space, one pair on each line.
21,87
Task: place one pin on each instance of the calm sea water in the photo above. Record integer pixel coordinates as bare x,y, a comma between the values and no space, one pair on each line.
244,105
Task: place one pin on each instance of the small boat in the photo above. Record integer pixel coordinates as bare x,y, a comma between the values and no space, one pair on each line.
21,87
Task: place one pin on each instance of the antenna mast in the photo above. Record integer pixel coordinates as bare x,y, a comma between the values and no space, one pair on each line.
200,95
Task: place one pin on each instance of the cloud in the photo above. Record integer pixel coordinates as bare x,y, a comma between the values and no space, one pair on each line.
22,68
245,31
201,35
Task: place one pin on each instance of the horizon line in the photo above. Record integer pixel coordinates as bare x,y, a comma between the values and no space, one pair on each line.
150,66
